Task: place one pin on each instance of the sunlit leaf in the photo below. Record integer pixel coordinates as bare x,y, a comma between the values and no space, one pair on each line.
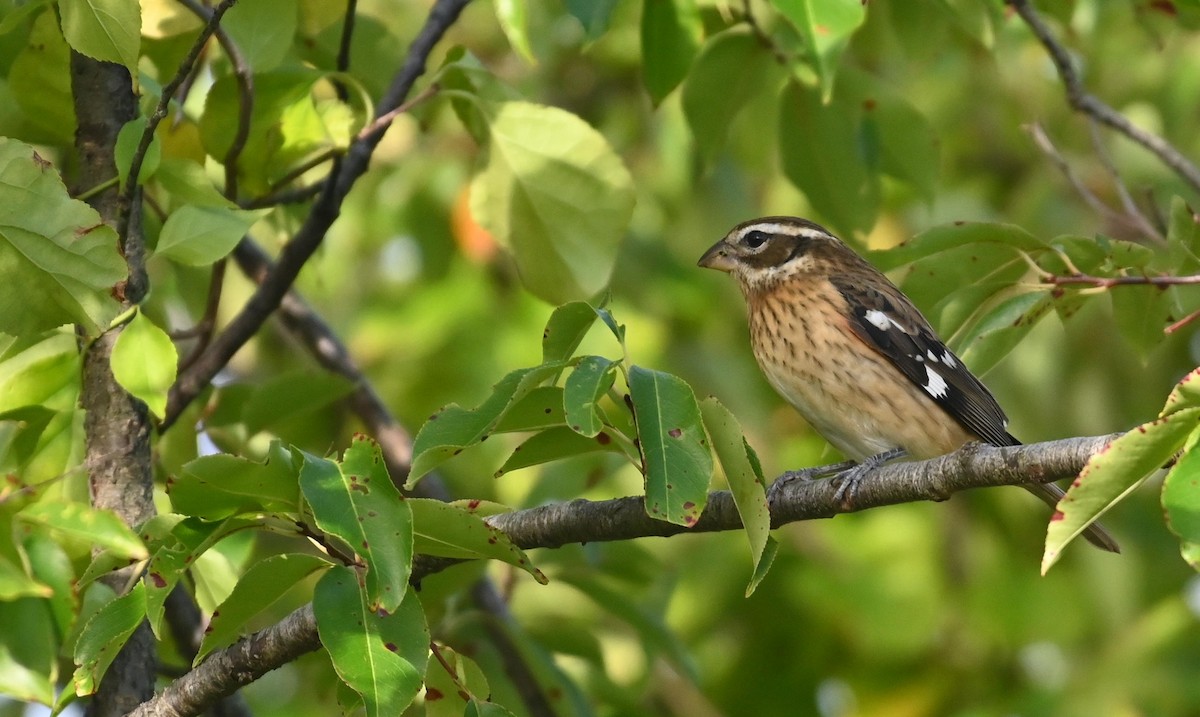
514,20
201,235
221,485
144,361
556,194
59,260
356,501
28,651
105,30
90,526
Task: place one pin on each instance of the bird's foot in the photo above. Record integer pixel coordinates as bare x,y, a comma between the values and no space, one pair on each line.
850,479
806,475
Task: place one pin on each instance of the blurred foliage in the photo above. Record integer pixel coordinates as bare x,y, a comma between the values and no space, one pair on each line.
884,121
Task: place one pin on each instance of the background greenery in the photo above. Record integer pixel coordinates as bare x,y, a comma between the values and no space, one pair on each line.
913,119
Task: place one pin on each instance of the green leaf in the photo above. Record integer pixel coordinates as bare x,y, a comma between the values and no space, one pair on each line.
59,260
356,501
763,566
819,147
1186,393
15,583
263,31
220,485
1183,234
454,428
594,15
678,463
104,635
557,195
452,684
127,142
1181,494
744,475
586,385
826,27
106,30
40,83
90,526
1141,313
731,69
953,236
201,235
293,396
671,35
1002,328
144,362
447,531
1113,473
20,432
28,651
366,645
261,587
541,408
515,24
555,444
565,329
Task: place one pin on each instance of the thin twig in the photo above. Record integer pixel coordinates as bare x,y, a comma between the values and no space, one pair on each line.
1106,282
164,101
344,46
324,212
1132,211
296,195
1090,105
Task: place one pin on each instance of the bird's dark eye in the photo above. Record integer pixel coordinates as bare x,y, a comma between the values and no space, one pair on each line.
755,239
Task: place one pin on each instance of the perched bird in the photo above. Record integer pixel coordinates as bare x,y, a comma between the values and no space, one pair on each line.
852,354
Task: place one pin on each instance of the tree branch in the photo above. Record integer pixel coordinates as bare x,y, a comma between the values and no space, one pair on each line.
324,212
584,521
1084,102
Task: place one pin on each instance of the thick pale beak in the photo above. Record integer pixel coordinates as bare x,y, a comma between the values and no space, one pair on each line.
718,257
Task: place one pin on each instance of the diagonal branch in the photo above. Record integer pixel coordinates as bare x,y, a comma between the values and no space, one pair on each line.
1083,101
325,211
580,521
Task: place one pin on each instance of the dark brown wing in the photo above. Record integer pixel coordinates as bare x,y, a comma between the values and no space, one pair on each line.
886,320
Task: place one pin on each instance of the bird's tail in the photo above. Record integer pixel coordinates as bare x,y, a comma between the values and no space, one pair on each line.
1095,533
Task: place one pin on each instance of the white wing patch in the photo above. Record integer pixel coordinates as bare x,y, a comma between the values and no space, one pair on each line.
882,321
935,385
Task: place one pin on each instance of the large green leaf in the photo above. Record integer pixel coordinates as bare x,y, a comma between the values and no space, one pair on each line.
590,380
371,650
557,195
144,361
201,235
40,82
104,635
1113,473
677,461
448,531
28,651
107,30
261,587
58,259
820,151
565,329
1181,494
357,501
731,69
743,472
88,525
555,444
826,27
221,485
671,34
454,428
453,684
263,31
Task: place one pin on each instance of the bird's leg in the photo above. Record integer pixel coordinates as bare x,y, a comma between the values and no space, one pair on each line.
807,474
850,479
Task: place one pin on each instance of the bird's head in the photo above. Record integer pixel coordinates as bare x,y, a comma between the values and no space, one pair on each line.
762,252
